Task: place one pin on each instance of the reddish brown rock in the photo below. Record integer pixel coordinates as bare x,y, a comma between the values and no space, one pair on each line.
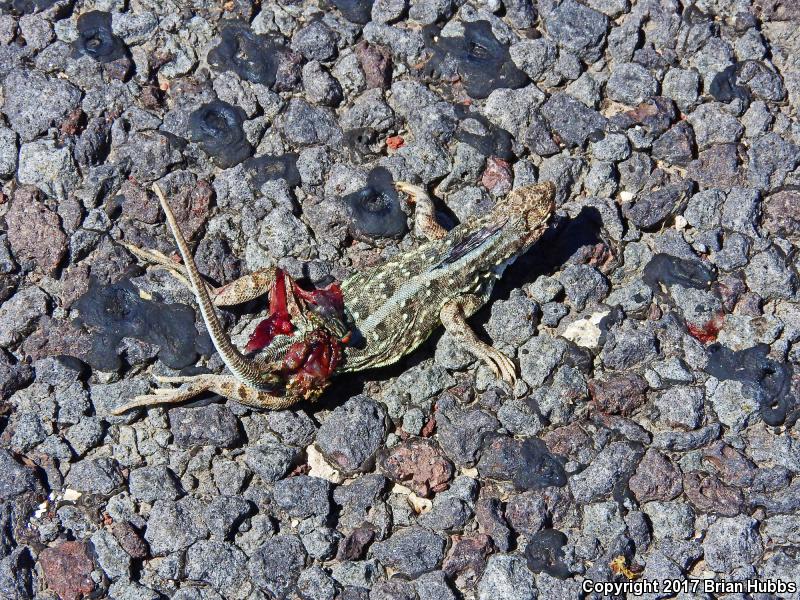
568,440
419,464
656,478
490,518
733,467
497,176
130,540
620,395
137,203
53,337
781,214
34,232
189,198
708,494
467,557
376,62
354,546
67,569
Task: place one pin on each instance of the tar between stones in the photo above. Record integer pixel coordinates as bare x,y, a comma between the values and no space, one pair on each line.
217,127
113,312
545,553
478,58
96,38
251,56
777,401
375,209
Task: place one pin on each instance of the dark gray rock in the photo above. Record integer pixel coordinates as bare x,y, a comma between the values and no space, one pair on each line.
631,83
97,476
462,432
306,125
352,433
173,526
577,28
271,461
732,542
612,463
111,557
571,120
315,41
507,576
583,283
276,566
152,483
212,425
303,496
15,479
220,564
224,514
411,551
28,115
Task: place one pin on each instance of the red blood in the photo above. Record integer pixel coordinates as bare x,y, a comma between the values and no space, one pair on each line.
328,299
279,321
707,332
266,330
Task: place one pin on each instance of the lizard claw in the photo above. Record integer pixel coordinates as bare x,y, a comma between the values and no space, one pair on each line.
502,366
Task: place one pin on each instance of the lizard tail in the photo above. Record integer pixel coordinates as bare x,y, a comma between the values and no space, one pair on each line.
254,373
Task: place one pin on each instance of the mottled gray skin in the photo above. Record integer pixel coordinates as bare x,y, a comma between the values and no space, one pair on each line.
396,306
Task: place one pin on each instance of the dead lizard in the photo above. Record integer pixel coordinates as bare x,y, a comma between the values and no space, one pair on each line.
391,308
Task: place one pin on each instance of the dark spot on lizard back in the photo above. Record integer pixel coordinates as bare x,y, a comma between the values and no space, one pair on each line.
96,38
217,127
355,11
544,553
375,209
778,402
253,57
117,311
261,169
481,62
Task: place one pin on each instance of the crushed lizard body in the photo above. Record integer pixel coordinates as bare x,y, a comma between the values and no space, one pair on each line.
374,318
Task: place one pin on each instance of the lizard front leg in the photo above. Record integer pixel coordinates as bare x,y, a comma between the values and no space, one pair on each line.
424,212
454,320
194,385
246,288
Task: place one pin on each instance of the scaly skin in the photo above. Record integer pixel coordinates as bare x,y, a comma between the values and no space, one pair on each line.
390,309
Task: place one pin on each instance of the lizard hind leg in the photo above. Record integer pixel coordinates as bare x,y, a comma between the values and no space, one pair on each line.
246,288
424,211
453,318
194,385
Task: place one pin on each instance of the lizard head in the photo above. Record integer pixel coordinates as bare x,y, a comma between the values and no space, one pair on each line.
531,205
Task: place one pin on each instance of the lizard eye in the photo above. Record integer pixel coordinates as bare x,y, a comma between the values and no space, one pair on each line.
375,209
217,127
96,39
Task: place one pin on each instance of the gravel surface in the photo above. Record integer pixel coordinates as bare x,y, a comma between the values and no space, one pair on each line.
655,326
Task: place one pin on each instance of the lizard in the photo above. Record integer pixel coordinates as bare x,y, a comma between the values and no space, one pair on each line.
390,309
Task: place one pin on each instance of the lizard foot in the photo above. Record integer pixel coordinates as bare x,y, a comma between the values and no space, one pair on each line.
160,259
501,365
193,385
424,212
